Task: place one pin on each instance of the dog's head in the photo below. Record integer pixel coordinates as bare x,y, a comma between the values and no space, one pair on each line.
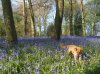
77,52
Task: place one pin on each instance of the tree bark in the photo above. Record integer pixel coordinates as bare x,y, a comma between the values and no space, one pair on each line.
83,19
25,13
11,35
71,18
44,18
58,18
39,25
32,16
95,18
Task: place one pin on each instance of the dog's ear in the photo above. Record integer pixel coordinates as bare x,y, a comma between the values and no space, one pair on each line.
62,45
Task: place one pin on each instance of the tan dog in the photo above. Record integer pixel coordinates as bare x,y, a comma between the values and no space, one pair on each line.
74,50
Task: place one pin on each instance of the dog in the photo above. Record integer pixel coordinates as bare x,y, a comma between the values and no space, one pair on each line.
72,49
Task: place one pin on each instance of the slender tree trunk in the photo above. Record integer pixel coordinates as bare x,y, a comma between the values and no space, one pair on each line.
32,16
39,26
94,26
45,24
83,19
71,18
58,17
95,18
11,35
25,19
44,18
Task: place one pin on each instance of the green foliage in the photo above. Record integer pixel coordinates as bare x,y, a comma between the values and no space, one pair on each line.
19,24
31,60
65,29
51,30
78,24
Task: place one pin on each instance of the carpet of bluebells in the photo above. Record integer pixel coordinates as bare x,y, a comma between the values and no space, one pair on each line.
43,55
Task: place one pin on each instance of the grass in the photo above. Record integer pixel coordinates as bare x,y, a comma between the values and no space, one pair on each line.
30,59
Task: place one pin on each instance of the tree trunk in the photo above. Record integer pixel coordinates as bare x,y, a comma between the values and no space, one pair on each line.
71,18
58,18
83,19
11,35
39,25
95,18
94,26
25,13
32,16
45,24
